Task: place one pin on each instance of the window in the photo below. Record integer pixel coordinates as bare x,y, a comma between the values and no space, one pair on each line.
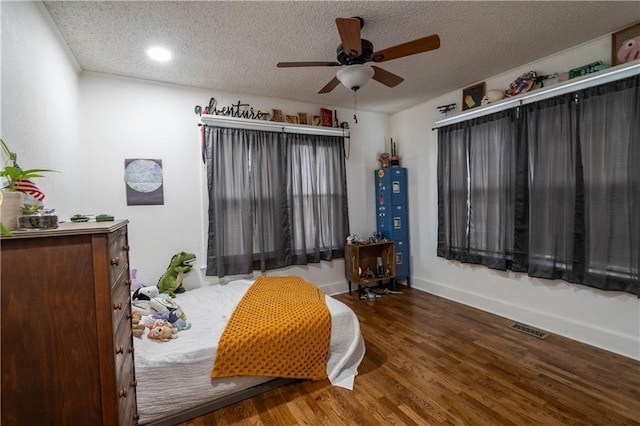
551,188
275,199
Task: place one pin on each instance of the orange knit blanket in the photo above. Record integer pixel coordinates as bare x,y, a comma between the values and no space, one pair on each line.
280,328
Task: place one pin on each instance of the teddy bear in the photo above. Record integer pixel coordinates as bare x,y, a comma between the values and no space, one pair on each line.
137,326
162,330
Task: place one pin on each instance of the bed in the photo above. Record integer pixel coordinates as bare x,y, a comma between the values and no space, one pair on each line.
174,382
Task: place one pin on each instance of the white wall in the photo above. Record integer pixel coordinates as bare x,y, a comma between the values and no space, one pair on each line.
126,118
39,119
605,319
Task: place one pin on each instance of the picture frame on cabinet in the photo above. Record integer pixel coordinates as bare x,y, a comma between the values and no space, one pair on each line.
472,95
622,36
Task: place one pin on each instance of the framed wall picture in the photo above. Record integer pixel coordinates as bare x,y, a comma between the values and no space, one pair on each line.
623,49
472,95
303,117
144,183
327,117
277,115
292,119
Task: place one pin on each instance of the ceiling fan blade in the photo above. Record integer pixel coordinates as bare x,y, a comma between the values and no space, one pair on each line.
349,29
330,86
307,64
420,45
385,77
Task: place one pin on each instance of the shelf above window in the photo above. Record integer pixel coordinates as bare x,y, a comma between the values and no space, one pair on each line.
589,80
271,126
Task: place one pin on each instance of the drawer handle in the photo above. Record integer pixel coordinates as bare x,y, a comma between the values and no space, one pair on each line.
120,349
123,393
117,306
115,261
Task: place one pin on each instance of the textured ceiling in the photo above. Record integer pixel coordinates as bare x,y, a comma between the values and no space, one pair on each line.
233,46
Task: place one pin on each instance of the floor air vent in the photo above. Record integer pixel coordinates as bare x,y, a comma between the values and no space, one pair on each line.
528,330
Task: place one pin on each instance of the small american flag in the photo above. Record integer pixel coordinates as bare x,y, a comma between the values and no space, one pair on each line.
27,186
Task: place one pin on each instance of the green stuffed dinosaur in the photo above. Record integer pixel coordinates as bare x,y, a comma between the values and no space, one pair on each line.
171,282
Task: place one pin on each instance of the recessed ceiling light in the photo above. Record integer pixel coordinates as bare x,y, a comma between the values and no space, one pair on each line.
159,54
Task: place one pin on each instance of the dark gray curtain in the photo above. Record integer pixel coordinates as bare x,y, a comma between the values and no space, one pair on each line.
552,154
562,203
476,191
275,200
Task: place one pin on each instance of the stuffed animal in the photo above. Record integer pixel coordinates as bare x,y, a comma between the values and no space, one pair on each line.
136,325
135,283
493,95
171,281
163,305
165,308
629,50
162,330
145,293
385,160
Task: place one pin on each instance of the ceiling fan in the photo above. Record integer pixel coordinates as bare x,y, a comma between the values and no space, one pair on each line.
355,51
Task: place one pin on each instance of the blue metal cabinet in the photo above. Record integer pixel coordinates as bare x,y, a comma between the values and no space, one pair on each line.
392,215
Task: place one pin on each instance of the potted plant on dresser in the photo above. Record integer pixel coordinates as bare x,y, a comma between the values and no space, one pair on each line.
16,181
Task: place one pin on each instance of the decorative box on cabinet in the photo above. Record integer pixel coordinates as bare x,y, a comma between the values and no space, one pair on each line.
392,215
362,257
67,345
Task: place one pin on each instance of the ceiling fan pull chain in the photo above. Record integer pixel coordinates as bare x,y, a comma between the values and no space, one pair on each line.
355,106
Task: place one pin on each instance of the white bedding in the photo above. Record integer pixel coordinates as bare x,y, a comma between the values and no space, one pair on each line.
175,375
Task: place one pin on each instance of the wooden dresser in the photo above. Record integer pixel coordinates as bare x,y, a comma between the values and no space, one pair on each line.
67,345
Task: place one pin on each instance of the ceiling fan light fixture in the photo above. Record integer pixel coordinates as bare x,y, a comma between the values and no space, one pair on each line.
354,77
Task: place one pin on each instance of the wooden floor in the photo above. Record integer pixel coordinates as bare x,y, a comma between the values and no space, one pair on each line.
431,361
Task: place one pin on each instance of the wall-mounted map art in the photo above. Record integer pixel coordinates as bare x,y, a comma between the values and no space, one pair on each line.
144,182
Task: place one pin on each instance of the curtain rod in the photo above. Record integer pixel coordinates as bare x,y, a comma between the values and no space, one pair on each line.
605,76
271,126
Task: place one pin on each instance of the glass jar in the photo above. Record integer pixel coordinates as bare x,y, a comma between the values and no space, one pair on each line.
39,219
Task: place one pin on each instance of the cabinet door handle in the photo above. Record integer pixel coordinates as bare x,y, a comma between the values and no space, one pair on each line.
134,383
123,393
120,349
127,283
115,261
125,248
117,306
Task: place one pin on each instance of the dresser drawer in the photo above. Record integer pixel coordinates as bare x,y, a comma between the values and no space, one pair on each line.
120,307
127,393
124,358
118,253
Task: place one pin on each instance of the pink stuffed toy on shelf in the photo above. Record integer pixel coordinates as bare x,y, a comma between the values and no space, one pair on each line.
629,50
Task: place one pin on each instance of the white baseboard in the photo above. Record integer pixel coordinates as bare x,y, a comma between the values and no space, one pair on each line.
590,334
337,288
